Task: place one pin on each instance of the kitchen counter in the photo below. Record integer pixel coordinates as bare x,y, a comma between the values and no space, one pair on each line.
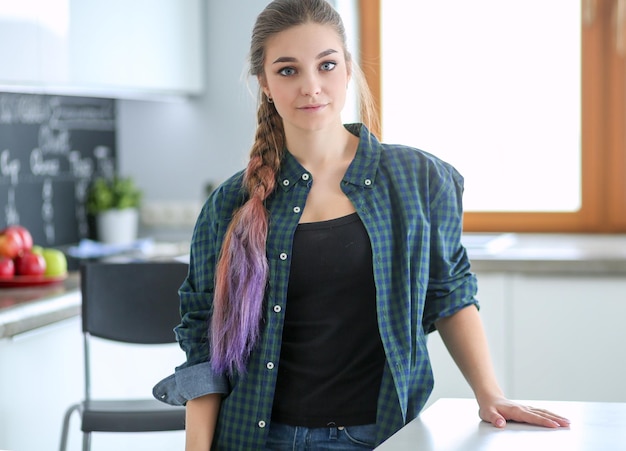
453,424
26,308
547,253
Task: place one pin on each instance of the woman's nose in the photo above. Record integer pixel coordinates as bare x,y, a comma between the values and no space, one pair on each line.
310,85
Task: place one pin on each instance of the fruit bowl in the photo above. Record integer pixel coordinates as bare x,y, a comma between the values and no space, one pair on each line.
31,281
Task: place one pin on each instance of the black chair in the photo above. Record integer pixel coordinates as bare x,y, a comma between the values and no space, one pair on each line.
128,303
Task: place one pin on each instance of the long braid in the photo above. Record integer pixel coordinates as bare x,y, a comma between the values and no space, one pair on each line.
242,269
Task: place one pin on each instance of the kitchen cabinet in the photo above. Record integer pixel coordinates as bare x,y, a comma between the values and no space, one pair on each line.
552,337
566,337
19,42
111,48
42,375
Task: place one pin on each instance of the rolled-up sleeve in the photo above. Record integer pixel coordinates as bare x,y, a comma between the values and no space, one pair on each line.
188,383
451,286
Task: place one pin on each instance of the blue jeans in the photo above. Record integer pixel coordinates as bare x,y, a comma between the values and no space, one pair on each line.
283,437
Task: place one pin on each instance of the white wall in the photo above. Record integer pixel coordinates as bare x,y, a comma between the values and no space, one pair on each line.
174,148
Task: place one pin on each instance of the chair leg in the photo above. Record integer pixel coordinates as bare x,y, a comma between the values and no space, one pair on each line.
66,425
86,441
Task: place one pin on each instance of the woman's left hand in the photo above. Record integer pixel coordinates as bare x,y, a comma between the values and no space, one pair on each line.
498,410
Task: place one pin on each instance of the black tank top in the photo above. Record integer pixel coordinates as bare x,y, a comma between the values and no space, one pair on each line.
332,358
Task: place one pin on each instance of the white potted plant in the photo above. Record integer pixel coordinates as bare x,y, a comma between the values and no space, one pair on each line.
115,205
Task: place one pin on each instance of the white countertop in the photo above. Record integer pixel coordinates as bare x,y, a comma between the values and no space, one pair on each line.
454,425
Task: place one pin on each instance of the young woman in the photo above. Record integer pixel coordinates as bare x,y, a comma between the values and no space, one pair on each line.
316,273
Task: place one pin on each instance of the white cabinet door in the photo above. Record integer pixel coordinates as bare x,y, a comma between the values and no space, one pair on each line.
42,375
449,382
112,48
151,45
567,338
20,50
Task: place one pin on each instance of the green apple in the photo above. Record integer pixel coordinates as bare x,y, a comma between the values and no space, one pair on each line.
36,249
56,262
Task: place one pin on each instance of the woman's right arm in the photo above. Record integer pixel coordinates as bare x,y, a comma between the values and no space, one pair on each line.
201,418
202,387
201,412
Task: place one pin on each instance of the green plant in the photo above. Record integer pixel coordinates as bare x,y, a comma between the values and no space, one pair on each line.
117,193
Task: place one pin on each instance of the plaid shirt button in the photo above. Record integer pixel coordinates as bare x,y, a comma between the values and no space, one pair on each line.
261,424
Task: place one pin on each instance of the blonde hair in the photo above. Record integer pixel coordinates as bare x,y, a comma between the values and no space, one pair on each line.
242,269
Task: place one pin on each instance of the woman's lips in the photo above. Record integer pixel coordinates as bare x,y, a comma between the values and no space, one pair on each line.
312,107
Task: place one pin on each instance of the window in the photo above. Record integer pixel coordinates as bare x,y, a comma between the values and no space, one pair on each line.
526,99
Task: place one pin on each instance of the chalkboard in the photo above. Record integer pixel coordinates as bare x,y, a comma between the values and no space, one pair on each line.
51,147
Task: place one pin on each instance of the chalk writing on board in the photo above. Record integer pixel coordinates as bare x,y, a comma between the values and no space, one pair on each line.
51,147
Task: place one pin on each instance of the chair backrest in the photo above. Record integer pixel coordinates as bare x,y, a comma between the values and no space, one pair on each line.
132,302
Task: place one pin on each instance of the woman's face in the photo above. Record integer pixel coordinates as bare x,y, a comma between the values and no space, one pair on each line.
306,75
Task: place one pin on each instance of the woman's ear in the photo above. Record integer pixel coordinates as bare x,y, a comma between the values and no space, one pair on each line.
263,85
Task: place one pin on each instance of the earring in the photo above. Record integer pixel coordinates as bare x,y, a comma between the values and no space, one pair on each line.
270,100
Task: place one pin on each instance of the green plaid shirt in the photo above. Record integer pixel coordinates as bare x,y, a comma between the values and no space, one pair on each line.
410,204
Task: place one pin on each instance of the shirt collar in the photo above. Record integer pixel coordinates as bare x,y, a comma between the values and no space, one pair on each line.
361,172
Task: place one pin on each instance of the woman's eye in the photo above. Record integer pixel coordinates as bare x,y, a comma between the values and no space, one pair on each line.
329,65
287,71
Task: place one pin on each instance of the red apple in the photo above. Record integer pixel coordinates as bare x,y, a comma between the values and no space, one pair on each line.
11,243
27,238
7,268
30,264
